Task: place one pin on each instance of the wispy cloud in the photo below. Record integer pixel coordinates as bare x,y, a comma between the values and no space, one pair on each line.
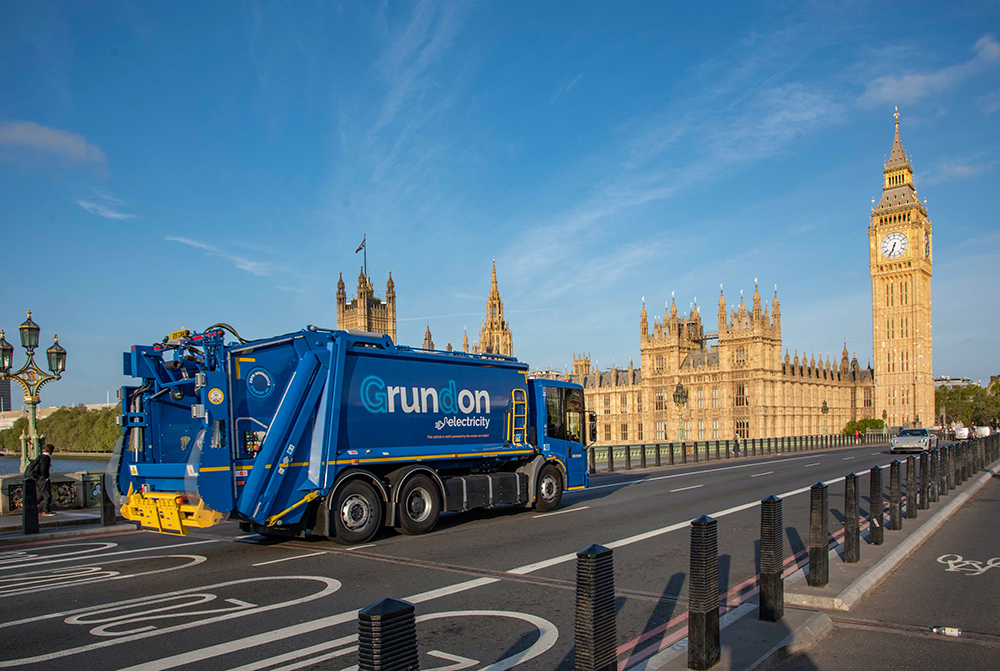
103,211
106,206
912,87
563,90
258,268
954,170
27,140
989,103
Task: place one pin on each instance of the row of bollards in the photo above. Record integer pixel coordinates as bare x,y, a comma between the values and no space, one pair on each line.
387,630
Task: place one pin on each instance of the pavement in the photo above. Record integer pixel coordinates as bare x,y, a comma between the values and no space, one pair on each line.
65,523
878,613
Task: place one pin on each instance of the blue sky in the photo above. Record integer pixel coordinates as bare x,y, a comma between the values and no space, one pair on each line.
188,163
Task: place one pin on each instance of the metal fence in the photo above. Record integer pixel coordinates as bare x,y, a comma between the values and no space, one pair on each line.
608,458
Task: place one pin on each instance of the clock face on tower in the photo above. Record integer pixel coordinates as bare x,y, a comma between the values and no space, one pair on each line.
927,245
893,245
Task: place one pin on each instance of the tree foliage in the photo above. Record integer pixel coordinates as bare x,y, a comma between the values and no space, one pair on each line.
971,405
73,429
863,425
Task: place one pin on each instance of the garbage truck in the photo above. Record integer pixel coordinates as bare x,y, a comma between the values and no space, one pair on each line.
336,433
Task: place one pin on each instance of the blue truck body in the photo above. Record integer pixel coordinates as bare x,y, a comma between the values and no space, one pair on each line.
336,433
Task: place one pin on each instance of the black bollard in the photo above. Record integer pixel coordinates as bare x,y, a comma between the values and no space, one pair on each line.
895,497
911,488
819,535
852,526
684,452
29,507
951,468
933,493
704,648
387,637
658,454
772,557
596,632
642,456
628,457
108,512
611,459
925,479
592,461
876,516
671,454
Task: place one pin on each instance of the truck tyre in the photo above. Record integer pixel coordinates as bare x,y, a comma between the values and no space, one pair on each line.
357,513
550,489
419,505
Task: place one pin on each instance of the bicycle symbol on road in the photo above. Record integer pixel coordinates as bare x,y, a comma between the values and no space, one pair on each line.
968,566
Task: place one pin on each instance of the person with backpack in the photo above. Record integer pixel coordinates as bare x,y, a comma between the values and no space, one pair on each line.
38,470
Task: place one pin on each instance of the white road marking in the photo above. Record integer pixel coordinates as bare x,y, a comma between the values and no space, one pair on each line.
757,475
816,464
42,581
331,586
875,454
111,555
358,547
287,632
275,561
555,561
848,458
684,489
15,556
560,512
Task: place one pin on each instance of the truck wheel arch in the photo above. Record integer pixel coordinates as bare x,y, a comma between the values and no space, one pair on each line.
534,467
357,474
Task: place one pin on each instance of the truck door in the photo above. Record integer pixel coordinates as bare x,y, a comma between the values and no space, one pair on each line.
564,438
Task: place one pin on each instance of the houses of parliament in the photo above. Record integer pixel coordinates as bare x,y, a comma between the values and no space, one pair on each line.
739,379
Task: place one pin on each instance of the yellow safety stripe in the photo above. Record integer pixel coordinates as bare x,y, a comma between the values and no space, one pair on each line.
273,519
210,469
569,489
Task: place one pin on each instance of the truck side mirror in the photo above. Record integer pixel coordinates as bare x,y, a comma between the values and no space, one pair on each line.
592,420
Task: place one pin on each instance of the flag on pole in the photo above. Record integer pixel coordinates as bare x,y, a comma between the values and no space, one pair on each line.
361,246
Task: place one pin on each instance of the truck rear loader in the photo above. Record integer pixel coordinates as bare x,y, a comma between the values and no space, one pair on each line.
336,433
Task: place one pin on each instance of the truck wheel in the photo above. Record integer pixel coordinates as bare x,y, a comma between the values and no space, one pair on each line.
419,505
550,489
357,513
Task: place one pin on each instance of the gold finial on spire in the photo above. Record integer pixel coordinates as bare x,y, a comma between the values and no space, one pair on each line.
896,115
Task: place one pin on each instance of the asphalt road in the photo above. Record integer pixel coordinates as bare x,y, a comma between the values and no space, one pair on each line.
952,580
492,589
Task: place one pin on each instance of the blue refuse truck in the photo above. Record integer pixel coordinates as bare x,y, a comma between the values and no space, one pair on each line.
337,434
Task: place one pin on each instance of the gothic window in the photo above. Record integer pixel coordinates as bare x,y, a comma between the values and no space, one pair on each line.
741,395
715,397
854,398
607,432
701,398
659,364
743,428
659,400
741,356
715,429
607,405
639,429
638,402
661,431
624,432
701,429
623,405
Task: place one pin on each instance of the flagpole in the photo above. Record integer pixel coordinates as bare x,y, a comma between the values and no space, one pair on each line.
364,240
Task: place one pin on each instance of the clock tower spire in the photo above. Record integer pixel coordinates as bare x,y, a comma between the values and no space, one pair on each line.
901,262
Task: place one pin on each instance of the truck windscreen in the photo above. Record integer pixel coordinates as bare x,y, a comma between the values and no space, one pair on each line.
565,413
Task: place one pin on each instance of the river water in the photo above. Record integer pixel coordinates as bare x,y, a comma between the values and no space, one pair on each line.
9,465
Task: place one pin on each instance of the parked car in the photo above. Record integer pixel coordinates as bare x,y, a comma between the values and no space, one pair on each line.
962,433
982,431
912,440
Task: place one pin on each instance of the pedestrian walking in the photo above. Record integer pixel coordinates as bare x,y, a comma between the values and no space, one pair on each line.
736,444
44,485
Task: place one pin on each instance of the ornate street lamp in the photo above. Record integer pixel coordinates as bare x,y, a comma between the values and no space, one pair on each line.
680,400
825,409
31,377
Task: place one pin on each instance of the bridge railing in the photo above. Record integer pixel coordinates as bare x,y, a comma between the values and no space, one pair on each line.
626,457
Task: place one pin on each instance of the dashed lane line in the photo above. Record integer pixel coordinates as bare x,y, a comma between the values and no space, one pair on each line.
757,475
561,512
275,561
684,489
815,464
848,458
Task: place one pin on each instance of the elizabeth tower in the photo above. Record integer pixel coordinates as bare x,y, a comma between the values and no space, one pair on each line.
900,258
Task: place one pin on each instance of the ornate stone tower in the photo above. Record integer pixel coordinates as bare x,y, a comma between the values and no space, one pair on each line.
495,336
366,311
901,260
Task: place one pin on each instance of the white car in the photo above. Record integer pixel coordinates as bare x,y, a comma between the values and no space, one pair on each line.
912,440
962,433
982,431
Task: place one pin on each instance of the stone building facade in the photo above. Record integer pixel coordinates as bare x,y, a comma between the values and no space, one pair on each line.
740,386
495,336
366,311
901,262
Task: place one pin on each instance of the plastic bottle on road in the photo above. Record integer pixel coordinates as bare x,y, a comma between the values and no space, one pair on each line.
947,631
